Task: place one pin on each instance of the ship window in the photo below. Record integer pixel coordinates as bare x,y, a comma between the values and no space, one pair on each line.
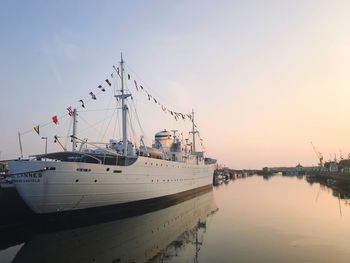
117,171
107,169
50,168
146,163
77,180
95,181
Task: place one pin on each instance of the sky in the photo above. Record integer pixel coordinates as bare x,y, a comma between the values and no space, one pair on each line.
264,77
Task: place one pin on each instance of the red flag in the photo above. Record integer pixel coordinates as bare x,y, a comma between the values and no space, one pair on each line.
55,119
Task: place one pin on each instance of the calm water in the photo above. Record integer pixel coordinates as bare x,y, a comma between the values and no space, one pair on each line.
282,219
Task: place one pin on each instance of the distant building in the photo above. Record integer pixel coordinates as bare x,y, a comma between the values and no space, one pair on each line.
333,167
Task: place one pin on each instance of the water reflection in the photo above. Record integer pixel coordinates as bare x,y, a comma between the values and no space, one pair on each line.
149,237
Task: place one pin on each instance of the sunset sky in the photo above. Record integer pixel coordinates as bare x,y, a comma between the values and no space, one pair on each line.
264,77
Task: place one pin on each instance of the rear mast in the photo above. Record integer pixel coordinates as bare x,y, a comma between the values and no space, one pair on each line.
194,131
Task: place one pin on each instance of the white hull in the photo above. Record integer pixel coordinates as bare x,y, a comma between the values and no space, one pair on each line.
69,187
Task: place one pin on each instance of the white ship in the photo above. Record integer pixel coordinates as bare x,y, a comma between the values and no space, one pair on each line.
114,174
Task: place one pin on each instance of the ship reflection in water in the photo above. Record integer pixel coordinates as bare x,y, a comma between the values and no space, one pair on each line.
149,237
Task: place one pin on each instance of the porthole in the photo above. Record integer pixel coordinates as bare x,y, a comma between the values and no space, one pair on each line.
77,180
95,181
107,169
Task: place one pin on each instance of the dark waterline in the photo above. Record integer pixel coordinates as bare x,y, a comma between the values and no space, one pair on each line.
282,219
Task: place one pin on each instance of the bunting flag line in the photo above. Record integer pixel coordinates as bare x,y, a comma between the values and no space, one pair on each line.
108,82
70,111
55,119
177,114
37,129
92,95
82,103
102,88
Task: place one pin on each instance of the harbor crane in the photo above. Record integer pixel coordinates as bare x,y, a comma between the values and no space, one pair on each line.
319,155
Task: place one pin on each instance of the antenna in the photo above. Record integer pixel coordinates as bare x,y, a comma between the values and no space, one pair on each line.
194,131
174,134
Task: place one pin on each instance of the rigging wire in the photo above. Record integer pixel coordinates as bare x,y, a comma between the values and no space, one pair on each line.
91,125
145,84
105,113
133,106
110,120
68,131
62,116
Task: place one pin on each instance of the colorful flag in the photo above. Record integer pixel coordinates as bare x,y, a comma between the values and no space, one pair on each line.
70,111
55,119
82,103
116,69
109,83
92,95
101,88
36,128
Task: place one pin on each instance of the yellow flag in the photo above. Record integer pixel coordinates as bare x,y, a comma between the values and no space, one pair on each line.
36,128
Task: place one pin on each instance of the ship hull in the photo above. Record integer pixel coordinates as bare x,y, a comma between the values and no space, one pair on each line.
51,187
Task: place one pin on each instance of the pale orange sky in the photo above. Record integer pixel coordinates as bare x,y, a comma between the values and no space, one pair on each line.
265,79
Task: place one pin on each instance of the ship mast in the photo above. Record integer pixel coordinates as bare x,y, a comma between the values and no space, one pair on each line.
123,97
74,132
194,131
